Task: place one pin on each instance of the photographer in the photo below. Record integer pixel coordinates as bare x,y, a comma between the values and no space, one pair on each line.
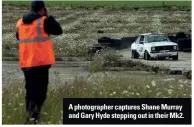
36,55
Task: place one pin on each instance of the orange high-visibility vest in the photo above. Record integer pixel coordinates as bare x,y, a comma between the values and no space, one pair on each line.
35,47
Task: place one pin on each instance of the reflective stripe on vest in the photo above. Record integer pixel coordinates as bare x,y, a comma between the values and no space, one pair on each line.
38,38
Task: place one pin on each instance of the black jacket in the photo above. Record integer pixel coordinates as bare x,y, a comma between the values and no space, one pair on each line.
51,26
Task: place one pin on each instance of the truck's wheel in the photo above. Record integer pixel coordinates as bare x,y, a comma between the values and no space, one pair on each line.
134,54
175,57
147,56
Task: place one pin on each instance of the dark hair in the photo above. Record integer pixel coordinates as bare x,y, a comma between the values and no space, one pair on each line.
37,5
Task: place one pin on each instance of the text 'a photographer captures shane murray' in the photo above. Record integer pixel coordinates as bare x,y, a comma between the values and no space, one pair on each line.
125,107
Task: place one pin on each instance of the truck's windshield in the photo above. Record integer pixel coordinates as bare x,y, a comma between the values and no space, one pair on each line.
157,38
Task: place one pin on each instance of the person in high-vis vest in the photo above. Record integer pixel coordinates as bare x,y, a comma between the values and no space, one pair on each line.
36,55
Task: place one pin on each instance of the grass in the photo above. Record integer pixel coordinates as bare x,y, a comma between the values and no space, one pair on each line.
122,85
81,20
80,31
102,3
80,26
110,60
100,83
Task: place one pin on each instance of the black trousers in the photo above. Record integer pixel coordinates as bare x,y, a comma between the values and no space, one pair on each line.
36,84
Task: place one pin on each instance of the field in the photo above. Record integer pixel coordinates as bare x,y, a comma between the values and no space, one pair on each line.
137,82
79,3
80,22
111,85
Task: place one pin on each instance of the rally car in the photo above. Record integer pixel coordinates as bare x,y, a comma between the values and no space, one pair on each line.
154,46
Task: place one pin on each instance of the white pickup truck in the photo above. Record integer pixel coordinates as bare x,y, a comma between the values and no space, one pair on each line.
154,46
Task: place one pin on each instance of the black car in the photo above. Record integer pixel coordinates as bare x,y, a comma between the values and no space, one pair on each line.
183,40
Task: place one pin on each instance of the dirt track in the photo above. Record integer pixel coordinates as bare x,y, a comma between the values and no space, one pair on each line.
183,64
65,71
60,72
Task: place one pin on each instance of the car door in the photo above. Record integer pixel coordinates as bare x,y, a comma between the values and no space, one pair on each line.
140,45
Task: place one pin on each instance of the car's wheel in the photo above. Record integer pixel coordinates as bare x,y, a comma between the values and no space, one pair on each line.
134,54
147,56
175,57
